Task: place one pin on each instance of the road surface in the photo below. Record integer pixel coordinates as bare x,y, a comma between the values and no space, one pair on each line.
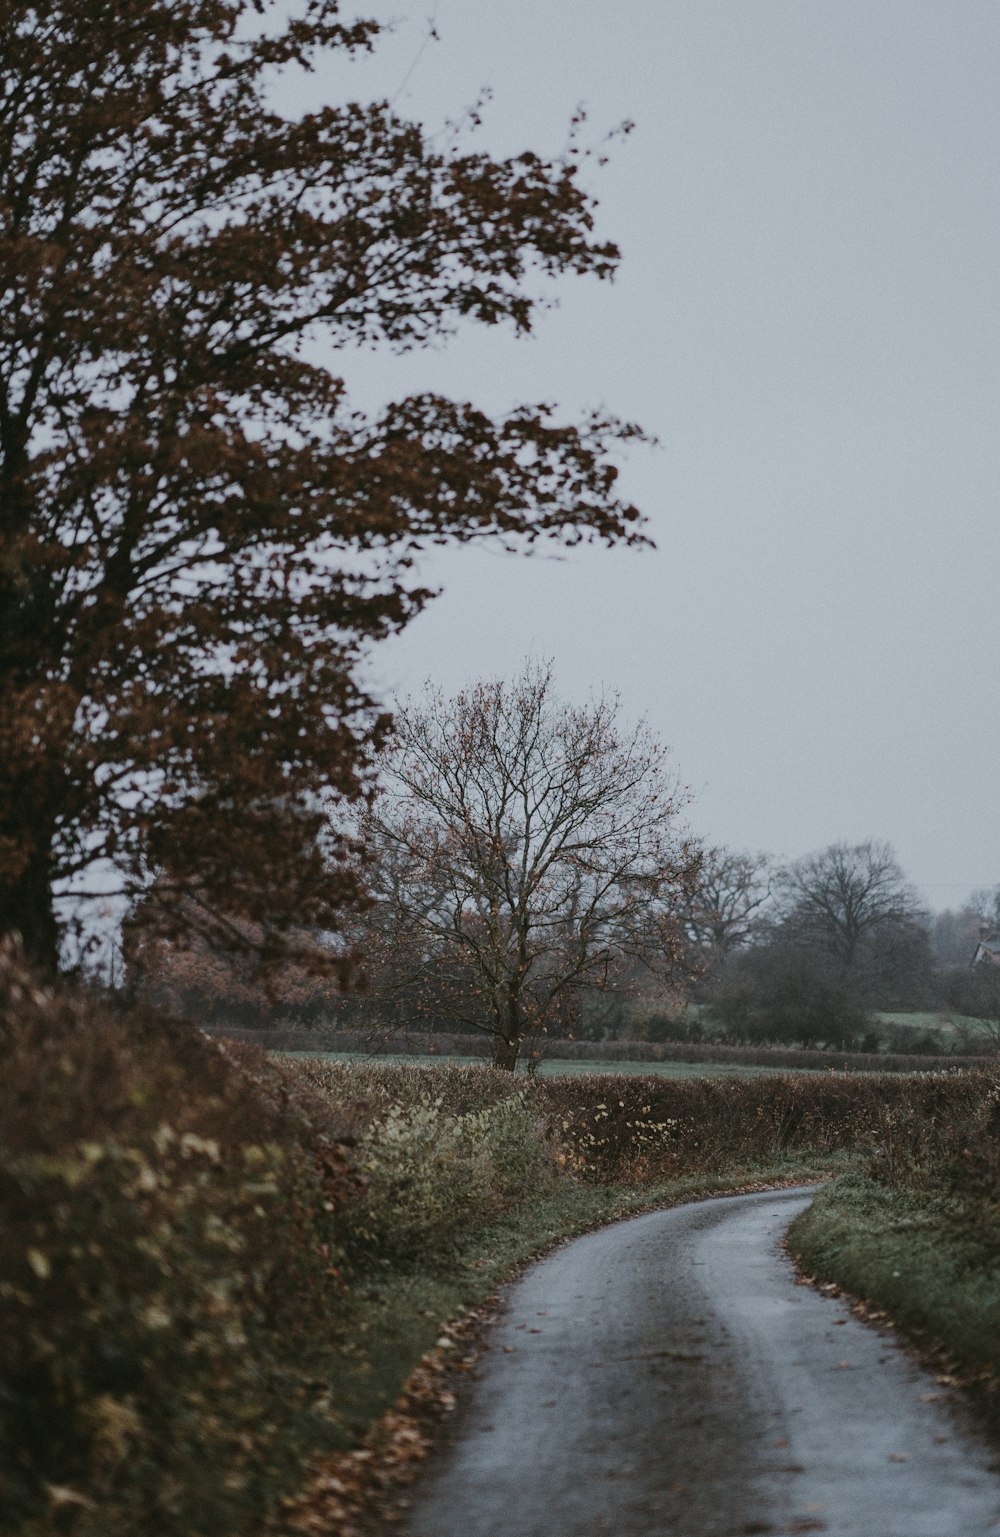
666,1377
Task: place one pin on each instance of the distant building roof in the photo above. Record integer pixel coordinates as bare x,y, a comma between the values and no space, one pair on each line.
988,948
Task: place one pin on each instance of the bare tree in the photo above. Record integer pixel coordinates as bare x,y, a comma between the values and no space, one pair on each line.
837,898
954,936
852,903
523,848
984,906
957,933
725,910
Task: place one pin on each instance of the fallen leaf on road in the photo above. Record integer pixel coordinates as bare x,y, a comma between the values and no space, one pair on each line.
899,1456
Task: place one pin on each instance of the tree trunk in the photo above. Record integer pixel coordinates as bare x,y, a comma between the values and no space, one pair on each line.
508,1035
505,1053
26,908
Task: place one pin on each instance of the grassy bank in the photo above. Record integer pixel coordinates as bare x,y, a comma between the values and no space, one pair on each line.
218,1268
914,1254
915,1233
557,1051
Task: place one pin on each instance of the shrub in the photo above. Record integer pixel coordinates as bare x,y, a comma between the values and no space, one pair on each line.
441,1149
785,992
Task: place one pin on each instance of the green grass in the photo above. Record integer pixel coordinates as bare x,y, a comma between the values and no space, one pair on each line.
920,1019
562,1068
950,1026
921,1255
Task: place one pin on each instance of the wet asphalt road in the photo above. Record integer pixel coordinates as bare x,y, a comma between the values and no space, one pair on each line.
667,1376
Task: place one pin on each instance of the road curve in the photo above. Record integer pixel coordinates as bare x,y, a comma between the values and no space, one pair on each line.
667,1376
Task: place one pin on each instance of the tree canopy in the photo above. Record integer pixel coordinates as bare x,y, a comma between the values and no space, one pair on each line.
198,534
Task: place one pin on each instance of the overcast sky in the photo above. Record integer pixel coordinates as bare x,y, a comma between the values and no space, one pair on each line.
807,318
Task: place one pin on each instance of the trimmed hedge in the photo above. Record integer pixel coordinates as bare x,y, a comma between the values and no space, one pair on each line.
652,1128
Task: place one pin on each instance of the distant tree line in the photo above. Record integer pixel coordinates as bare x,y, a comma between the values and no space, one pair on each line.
812,953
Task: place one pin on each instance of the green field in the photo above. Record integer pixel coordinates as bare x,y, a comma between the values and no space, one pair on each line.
923,1019
955,1030
556,1067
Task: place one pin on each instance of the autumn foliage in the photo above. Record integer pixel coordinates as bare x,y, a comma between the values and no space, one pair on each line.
198,534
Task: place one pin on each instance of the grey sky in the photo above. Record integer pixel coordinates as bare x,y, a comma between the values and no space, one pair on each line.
807,317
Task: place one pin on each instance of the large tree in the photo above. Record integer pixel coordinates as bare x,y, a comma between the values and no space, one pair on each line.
197,534
525,848
852,904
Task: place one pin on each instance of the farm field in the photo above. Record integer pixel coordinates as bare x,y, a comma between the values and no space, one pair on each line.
563,1068
949,1025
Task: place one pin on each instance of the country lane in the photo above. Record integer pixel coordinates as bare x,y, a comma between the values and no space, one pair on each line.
667,1377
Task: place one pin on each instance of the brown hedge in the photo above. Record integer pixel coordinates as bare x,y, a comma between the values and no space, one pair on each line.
168,1262
170,1271
652,1128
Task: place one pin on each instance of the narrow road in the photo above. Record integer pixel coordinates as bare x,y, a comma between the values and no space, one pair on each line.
666,1377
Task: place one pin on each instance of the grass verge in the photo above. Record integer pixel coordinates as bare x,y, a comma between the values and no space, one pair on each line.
923,1259
557,1067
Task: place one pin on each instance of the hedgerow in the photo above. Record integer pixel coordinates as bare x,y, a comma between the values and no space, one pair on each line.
654,1128
168,1260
